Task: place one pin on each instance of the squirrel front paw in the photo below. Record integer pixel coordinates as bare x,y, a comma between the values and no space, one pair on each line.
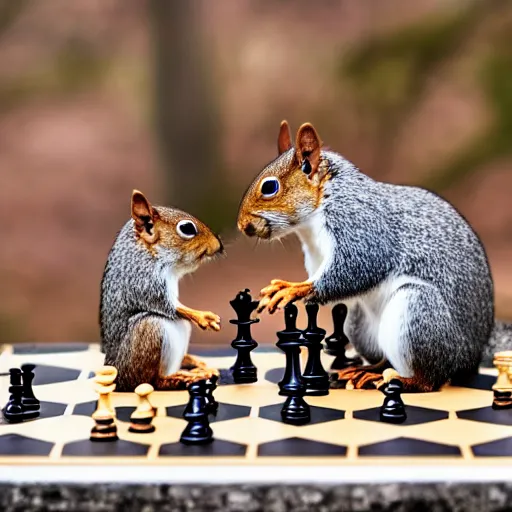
182,378
207,320
203,319
280,293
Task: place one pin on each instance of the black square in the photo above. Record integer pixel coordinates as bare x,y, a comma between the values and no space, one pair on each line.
415,415
487,415
408,447
275,375
499,448
474,381
15,444
48,348
51,409
85,408
224,412
217,448
318,414
119,448
45,374
299,447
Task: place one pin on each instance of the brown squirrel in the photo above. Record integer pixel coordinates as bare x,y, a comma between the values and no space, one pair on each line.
409,267
145,330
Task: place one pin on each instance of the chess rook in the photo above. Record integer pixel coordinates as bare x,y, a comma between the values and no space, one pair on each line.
393,408
336,343
14,411
295,409
244,371
315,377
141,418
198,430
502,388
30,402
105,429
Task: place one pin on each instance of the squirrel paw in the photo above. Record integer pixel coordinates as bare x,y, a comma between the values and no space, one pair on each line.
360,379
182,378
280,293
208,320
192,362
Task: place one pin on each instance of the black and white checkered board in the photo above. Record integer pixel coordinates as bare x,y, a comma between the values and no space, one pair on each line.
455,426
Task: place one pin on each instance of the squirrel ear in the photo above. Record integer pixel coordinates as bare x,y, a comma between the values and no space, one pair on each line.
308,149
144,216
284,141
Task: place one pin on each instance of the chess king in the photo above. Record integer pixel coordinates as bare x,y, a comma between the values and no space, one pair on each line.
412,272
145,330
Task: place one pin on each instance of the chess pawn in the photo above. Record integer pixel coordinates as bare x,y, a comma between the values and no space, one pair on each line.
143,415
502,388
30,402
105,377
105,429
393,409
198,430
295,411
13,411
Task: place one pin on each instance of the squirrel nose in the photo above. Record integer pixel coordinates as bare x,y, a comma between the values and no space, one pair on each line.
249,229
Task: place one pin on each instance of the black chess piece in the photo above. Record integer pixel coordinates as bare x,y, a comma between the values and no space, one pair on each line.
315,377
14,412
393,408
198,430
295,409
244,371
336,343
211,404
30,402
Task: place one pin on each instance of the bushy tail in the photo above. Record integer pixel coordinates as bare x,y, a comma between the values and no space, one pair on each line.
501,339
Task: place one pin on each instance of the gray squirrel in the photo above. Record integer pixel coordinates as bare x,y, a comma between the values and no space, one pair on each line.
145,330
412,272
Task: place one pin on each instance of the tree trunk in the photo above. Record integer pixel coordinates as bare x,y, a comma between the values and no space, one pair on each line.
184,110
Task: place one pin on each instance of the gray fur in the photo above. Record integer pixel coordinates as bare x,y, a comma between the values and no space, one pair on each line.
382,230
133,284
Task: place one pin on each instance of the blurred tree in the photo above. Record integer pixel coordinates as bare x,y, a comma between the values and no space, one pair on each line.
9,12
186,119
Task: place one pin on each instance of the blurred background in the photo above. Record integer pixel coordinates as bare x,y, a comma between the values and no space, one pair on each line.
183,101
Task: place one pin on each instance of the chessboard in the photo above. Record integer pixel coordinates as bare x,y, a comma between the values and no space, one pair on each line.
455,426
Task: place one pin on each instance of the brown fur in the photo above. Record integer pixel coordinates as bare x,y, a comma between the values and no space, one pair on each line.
297,190
132,340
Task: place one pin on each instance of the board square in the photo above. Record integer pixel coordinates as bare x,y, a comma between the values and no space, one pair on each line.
487,415
318,414
299,447
15,444
119,448
415,415
225,412
498,448
217,448
48,348
407,447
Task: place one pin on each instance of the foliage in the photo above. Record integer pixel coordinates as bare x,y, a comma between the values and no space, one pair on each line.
390,74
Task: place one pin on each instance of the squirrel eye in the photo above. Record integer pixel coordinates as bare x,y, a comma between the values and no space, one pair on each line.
269,187
186,229
306,167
